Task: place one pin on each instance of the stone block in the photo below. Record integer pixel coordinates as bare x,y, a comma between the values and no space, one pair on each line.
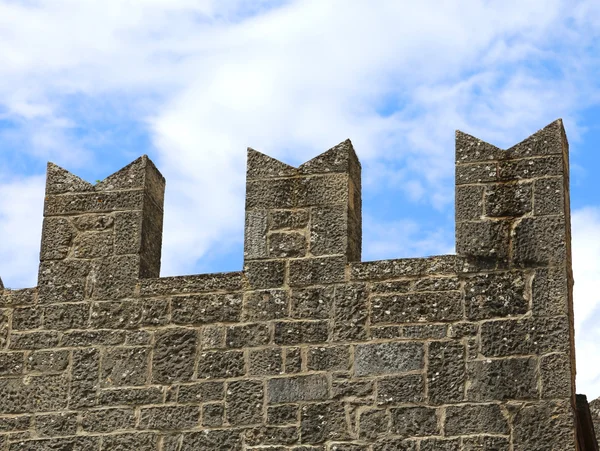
297,388
125,366
329,230
446,372
373,424
270,193
212,414
467,174
402,389
33,340
206,308
417,307
484,239
395,444
315,271
292,360
265,305
173,357
414,421
66,316
57,237
288,219
438,444
130,396
284,414
555,374
11,363
70,443
543,424
244,402
24,318
220,364
550,291
540,241
331,358
255,234
225,439
271,435
247,335
93,202
169,417
297,332
201,392
502,379
485,443
475,419
312,303
496,295
48,361
265,273
549,196
93,244
508,200
128,232
469,202
108,420
56,424
314,430
383,358
525,336
287,245
264,362
529,168
127,442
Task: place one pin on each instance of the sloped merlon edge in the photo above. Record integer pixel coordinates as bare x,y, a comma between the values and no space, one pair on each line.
134,175
339,158
550,140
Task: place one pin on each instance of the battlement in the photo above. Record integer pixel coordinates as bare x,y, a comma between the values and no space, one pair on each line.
307,348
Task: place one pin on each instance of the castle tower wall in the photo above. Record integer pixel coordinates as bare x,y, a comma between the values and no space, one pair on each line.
307,348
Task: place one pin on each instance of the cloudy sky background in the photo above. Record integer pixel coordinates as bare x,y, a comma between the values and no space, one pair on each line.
93,84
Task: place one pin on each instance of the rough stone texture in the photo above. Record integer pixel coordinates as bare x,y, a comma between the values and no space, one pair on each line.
307,348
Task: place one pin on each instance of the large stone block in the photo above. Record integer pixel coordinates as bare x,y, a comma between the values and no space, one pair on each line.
446,372
502,379
173,357
496,295
476,419
384,358
297,388
244,402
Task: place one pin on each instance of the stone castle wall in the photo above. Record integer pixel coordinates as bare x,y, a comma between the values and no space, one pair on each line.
307,348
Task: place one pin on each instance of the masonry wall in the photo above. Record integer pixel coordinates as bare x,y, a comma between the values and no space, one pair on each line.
307,348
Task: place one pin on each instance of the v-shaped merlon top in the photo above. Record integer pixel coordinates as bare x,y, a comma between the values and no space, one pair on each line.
339,158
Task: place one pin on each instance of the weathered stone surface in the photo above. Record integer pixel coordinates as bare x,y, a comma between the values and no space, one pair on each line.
312,303
475,419
265,305
284,414
314,430
265,273
293,333
537,425
244,402
525,336
288,219
373,424
70,443
53,425
125,366
503,379
298,388
486,239
414,421
332,358
314,271
201,392
555,374
169,417
108,420
57,237
496,295
220,364
131,396
173,357
485,443
125,442
508,200
469,202
539,241
476,173
212,414
287,244
418,307
212,439
266,361
408,388
247,335
48,361
446,372
393,357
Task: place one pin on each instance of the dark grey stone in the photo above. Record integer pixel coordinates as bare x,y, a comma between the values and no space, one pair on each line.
297,388
393,357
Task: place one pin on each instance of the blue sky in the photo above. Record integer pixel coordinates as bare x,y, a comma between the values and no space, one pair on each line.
91,85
